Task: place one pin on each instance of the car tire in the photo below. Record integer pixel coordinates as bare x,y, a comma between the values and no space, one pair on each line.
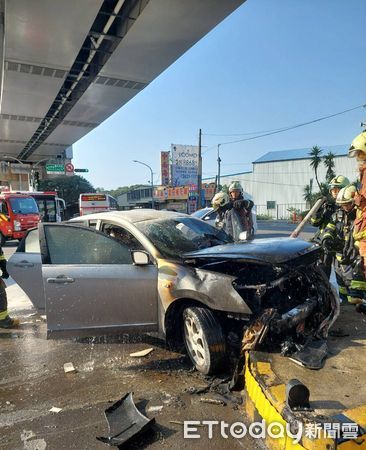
204,339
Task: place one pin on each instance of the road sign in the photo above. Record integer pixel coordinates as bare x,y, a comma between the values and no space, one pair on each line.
55,169
81,170
69,167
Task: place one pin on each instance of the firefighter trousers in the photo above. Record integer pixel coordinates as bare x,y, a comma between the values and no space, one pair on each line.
3,300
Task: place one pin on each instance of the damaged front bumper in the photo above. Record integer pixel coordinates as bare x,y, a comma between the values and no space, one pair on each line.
298,331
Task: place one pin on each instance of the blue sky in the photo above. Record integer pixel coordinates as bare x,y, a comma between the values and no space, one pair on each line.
268,65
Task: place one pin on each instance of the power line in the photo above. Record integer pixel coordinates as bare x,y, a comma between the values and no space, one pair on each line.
244,134
281,130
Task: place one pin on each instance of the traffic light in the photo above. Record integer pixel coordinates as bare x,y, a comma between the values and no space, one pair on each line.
36,180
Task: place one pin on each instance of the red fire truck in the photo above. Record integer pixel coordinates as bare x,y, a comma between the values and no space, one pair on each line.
19,212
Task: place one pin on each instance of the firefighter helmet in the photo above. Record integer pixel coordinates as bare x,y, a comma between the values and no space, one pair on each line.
235,186
358,145
346,195
220,200
338,182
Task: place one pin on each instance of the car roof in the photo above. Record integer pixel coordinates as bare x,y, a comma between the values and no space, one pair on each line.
133,215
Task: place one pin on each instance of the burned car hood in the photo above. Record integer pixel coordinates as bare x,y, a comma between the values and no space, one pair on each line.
272,251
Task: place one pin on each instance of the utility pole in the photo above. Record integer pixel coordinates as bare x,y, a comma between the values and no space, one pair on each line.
152,181
199,177
218,168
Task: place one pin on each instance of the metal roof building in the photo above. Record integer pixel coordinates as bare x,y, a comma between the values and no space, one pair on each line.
278,178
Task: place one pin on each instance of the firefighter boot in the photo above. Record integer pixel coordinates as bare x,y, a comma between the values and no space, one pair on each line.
8,322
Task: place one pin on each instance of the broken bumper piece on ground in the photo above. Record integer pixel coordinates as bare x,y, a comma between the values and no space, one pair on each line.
125,422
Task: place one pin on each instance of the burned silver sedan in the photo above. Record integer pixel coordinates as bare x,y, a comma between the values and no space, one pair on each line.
147,270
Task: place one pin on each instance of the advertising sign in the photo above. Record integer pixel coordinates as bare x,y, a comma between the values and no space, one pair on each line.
93,197
192,205
184,164
164,162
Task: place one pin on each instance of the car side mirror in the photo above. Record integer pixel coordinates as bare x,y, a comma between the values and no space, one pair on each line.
140,258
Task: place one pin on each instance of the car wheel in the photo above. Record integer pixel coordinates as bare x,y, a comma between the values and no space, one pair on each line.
204,339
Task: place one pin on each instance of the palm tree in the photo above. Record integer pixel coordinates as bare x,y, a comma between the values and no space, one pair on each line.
316,159
329,164
308,194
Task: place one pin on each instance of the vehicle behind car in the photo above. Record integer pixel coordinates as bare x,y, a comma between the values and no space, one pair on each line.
19,214
209,215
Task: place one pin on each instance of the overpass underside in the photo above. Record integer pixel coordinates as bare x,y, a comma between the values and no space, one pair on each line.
67,66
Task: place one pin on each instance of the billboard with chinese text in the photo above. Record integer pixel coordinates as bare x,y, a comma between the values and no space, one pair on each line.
184,164
164,164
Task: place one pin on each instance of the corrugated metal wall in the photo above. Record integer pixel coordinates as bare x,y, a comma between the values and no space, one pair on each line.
283,182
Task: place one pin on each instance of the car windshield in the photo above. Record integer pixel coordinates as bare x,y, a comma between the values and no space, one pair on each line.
25,205
175,237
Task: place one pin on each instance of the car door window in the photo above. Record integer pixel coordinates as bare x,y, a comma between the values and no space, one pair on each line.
78,245
92,224
31,242
4,208
122,235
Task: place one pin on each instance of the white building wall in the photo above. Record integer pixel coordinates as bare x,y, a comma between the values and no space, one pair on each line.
283,182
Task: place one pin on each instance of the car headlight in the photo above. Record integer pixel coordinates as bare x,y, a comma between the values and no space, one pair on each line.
17,225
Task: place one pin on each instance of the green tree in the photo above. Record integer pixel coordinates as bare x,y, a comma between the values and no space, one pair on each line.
308,194
328,161
316,159
120,190
68,188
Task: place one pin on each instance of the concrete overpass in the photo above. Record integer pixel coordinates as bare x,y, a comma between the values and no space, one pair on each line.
66,66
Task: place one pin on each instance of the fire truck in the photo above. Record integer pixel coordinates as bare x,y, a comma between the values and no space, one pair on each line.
18,213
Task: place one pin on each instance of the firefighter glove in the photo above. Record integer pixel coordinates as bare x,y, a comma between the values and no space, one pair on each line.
239,204
328,243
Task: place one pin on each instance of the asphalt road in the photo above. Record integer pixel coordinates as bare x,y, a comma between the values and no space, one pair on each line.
32,381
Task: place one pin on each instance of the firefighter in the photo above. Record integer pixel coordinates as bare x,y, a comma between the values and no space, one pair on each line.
337,237
5,320
358,150
324,216
220,203
242,207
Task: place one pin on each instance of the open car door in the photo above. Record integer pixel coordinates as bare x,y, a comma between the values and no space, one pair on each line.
92,286
25,266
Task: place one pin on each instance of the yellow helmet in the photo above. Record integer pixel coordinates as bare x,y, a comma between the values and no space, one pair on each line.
346,195
220,200
358,145
339,181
